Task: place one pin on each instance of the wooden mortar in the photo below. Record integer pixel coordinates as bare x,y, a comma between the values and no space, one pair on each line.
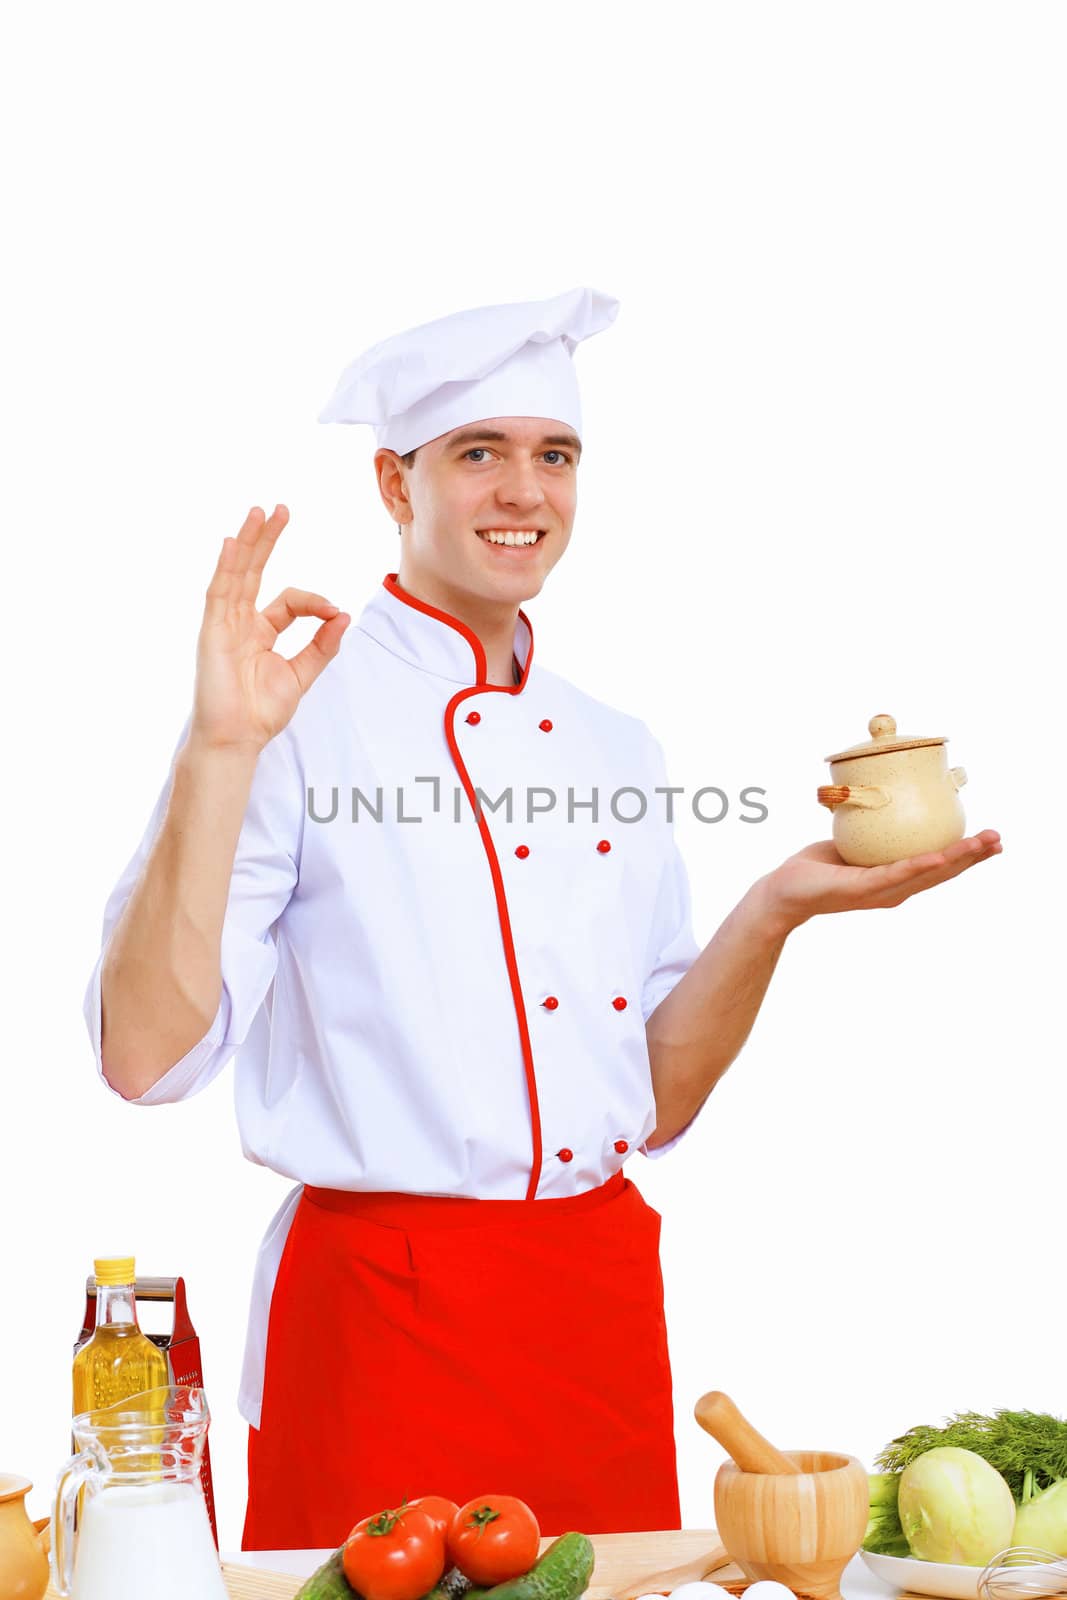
795,1516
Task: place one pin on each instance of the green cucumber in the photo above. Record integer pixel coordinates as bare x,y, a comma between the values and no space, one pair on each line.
562,1573
328,1583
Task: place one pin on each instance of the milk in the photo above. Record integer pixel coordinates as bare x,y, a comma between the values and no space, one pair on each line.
147,1540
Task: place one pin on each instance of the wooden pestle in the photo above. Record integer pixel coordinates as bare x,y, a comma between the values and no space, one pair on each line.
718,1416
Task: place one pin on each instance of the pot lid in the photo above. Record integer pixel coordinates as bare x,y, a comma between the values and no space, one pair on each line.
884,738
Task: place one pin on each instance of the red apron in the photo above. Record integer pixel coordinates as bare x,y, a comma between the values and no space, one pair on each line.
424,1345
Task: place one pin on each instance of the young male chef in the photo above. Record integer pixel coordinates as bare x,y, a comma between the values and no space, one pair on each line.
408,875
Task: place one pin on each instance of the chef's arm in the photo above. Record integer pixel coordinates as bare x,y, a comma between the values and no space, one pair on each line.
161,978
699,1028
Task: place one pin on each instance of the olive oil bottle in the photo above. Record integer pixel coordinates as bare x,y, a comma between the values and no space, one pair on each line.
119,1360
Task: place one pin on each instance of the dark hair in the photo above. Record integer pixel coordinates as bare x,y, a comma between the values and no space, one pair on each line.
409,458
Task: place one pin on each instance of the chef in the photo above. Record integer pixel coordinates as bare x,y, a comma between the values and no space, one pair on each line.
427,890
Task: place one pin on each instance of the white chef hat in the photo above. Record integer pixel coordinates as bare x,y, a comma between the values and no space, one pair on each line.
492,361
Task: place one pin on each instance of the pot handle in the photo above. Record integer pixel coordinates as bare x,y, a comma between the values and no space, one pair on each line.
958,776
865,795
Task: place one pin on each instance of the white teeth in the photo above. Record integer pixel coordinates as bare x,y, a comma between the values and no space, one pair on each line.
509,536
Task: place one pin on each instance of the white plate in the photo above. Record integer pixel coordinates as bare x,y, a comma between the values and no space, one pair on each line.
925,1577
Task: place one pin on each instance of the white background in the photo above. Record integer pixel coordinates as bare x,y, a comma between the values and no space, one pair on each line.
823,478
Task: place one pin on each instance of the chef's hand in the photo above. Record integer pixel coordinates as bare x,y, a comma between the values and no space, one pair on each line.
816,880
245,692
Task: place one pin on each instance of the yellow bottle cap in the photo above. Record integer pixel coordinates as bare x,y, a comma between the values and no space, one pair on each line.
113,1271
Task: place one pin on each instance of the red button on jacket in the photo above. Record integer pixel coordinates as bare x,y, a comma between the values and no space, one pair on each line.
566,1155
621,1146
619,1003
550,1002
545,726
522,851
604,846
474,716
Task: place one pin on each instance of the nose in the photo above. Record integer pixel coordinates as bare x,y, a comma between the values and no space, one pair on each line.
520,487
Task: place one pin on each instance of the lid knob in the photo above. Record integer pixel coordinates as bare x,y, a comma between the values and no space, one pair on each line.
882,727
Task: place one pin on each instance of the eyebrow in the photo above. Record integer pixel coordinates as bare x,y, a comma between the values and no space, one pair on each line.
471,436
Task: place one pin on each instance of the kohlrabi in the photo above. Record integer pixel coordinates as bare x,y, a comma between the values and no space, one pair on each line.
1041,1520
955,1507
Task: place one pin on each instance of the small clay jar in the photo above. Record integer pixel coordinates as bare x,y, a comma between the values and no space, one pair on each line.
893,797
23,1561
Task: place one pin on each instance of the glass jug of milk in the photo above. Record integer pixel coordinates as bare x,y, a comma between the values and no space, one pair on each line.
134,1489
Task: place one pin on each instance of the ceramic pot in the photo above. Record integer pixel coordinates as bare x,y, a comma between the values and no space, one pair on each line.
23,1561
893,797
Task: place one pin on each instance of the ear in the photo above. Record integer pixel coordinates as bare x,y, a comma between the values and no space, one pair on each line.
392,485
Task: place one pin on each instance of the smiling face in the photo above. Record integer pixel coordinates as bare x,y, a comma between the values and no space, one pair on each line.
505,476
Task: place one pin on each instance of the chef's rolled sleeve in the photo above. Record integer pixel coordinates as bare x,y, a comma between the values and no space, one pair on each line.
673,947
265,873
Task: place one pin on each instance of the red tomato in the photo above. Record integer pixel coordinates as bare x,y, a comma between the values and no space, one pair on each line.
493,1539
439,1510
396,1555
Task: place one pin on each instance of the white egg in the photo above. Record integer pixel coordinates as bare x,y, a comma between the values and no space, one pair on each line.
767,1589
698,1591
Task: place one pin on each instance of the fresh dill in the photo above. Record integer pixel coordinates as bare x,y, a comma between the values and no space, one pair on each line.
1028,1448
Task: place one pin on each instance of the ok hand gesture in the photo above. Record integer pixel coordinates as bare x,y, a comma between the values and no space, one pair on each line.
245,692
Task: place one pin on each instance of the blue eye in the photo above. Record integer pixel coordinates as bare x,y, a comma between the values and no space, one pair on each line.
477,453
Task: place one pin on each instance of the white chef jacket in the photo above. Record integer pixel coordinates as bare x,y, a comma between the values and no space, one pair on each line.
423,1002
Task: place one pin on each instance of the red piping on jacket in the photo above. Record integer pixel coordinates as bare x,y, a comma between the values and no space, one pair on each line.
482,687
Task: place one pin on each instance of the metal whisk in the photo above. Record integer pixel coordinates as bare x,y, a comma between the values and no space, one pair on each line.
1023,1573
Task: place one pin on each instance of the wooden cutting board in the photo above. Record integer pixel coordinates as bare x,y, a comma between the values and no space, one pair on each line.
244,1583
622,1560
